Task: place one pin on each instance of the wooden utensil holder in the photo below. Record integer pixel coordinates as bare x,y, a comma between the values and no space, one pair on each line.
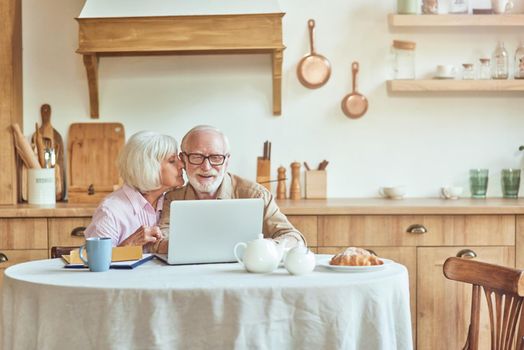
316,184
264,172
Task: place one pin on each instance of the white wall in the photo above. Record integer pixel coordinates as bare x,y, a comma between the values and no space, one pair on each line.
420,140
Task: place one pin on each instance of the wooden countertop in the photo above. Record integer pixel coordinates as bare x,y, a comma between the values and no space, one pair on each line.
334,206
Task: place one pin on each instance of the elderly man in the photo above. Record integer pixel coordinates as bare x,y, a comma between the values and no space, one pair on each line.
205,153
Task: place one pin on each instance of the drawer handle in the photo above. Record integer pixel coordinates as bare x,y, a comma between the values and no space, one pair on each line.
3,258
416,228
78,231
466,254
372,252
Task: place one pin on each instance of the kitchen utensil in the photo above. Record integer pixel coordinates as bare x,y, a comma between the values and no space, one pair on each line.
53,140
281,186
313,70
24,149
39,146
264,167
354,105
93,149
294,192
299,261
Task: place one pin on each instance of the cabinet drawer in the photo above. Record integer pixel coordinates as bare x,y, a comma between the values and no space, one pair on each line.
392,230
19,256
23,233
307,225
67,232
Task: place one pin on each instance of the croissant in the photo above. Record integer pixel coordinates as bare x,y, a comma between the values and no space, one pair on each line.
353,256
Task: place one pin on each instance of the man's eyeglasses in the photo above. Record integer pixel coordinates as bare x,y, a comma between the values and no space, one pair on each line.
198,159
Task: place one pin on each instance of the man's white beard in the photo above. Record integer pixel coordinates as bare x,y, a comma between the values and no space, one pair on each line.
207,187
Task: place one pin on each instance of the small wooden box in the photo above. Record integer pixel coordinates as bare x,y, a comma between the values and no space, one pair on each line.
316,184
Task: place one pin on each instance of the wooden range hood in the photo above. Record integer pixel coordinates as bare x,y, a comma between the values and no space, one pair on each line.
159,27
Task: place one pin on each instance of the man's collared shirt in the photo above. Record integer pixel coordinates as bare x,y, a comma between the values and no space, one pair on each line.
275,223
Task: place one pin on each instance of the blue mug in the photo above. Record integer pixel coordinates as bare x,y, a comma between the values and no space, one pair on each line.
99,251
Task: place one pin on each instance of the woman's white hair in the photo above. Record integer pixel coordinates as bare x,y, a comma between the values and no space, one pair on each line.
140,159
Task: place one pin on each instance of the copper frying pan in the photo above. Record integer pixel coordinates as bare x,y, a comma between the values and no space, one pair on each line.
354,105
313,70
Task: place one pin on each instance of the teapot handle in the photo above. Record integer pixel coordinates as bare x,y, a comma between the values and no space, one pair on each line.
240,244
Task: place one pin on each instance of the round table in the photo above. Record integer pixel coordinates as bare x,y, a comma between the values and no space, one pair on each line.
214,306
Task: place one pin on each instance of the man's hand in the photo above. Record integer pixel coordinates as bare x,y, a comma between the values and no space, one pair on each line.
144,235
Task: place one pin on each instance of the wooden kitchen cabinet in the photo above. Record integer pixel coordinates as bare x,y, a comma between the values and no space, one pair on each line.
67,231
22,240
444,306
307,225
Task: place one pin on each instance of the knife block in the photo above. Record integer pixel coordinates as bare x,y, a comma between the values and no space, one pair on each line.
316,184
264,172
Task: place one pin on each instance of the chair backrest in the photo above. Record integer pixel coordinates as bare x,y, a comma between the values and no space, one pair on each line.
57,252
504,290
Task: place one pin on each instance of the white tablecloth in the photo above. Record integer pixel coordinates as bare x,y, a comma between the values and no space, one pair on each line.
155,306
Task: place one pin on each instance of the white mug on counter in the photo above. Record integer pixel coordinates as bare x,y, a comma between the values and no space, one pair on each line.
451,192
501,6
394,192
445,71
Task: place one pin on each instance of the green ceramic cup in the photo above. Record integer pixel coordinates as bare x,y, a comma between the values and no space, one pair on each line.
510,181
478,182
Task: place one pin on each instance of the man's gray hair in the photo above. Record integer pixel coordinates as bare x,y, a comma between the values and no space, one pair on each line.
140,160
200,128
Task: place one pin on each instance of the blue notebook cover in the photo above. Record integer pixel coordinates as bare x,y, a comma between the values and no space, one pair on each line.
119,265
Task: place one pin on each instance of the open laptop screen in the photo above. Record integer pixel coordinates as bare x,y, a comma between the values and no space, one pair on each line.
206,231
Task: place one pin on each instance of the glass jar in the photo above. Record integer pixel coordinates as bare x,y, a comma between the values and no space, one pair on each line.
500,62
468,71
459,6
407,7
485,69
403,59
519,62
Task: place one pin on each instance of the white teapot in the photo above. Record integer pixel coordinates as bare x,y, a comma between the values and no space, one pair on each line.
260,255
300,260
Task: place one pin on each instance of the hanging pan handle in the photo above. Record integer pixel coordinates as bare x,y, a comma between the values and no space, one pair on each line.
354,71
311,26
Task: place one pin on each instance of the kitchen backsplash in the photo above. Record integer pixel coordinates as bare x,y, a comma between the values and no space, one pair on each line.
420,140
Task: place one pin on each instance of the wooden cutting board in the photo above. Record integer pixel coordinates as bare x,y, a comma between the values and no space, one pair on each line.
93,149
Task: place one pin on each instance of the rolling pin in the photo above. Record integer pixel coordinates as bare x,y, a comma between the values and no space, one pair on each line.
24,149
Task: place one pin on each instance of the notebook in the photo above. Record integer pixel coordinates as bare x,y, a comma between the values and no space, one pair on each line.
206,231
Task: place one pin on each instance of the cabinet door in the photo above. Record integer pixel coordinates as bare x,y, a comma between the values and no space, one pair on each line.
23,233
406,256
444,306
307,225
416,230
519,243
67,232
19,256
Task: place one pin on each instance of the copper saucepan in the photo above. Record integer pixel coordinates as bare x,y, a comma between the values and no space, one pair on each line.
313,70
354,105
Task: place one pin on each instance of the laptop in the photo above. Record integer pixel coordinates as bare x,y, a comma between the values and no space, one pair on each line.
206,231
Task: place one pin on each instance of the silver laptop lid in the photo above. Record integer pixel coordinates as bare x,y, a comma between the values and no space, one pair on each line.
206,231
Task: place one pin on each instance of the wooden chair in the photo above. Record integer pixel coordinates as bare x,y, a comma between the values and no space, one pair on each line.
504,290
57,252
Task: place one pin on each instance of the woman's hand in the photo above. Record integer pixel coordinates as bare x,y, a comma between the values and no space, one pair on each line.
144,235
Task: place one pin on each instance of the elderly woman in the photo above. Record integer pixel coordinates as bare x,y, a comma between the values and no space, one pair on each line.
150,166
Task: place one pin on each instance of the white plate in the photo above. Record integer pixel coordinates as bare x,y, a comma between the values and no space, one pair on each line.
340,268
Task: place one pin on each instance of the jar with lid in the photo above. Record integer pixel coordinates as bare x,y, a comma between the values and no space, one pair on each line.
468,71
485,69
500,62
459,7
519,62
403,59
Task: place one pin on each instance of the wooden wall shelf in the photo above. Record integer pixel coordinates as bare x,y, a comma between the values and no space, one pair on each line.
437,85
202,34
516,20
